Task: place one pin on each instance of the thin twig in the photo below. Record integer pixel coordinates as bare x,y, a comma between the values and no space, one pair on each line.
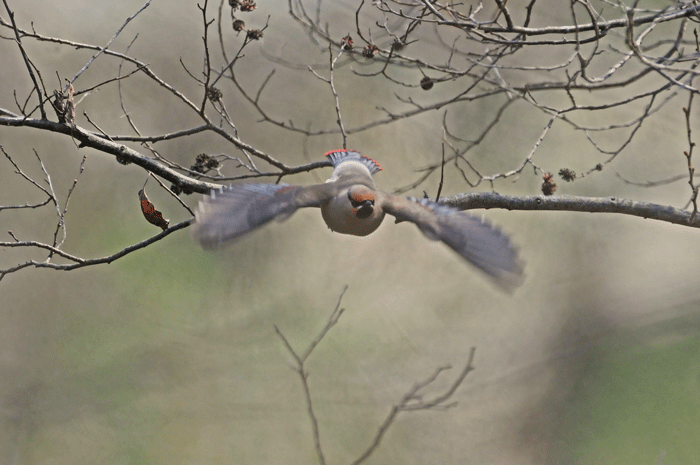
82,262
442,174
411,402
103,49
689,156
18,41
177,197
304,375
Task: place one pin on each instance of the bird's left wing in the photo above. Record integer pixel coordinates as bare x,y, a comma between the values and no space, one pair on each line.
232,211
480,243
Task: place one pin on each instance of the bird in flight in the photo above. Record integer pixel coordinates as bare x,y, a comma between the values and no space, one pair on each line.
351,203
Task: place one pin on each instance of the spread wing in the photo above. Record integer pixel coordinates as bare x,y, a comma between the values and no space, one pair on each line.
232,211
480,243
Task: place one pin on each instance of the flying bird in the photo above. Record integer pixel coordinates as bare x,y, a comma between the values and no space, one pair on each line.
351,203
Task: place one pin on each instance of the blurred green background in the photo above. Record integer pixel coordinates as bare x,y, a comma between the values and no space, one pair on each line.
169,355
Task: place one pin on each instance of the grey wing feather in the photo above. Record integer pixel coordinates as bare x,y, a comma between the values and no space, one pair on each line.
231,212
480,243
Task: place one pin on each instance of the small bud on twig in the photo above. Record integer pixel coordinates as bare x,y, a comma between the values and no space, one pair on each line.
548,187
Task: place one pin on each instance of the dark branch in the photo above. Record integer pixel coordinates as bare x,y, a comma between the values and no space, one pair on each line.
647,210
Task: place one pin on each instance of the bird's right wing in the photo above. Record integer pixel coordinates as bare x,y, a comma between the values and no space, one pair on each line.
477,241
232,211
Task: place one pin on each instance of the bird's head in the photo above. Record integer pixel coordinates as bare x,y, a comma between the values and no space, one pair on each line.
362,201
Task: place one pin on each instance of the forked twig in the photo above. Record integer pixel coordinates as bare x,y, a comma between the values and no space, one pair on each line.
304,375
411,401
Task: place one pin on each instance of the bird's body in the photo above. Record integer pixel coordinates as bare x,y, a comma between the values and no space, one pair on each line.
353,209
351,203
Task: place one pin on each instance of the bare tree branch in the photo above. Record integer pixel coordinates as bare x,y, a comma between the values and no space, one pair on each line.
27,62
607,74
411,401
571,203
304,375
689,156
77,261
